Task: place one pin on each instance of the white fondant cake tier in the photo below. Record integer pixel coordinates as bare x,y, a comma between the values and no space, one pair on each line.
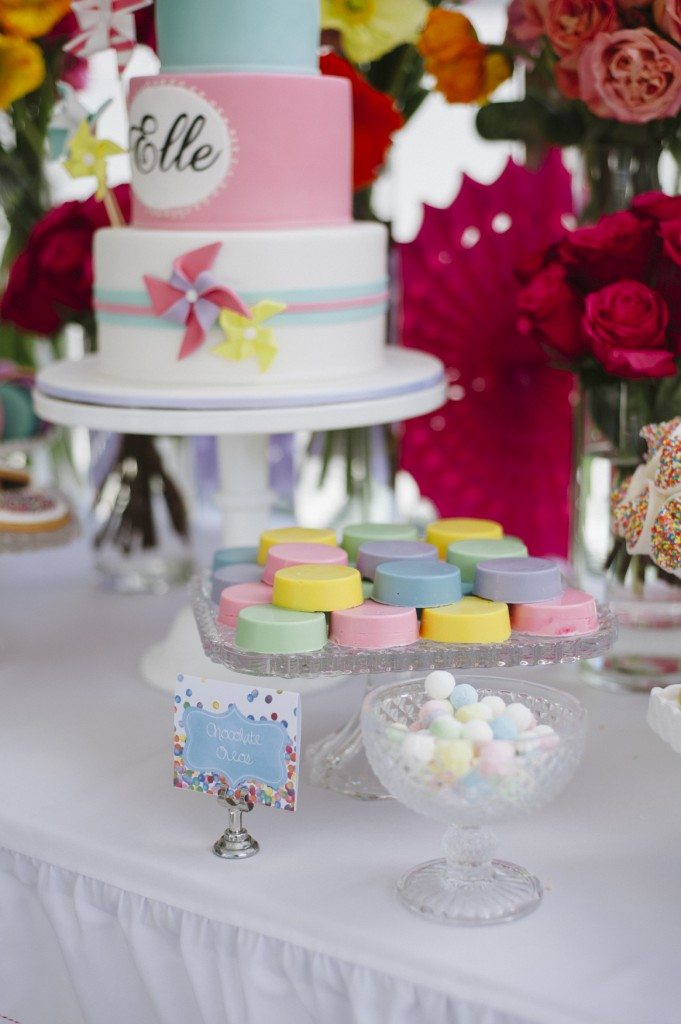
241,307
240,151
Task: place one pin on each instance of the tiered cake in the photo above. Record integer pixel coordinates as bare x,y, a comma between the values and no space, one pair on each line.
242,265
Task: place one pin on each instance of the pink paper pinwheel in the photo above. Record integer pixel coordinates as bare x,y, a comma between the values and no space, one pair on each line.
104,24
193,296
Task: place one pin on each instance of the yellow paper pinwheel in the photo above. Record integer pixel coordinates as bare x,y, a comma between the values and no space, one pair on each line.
88,155
247,337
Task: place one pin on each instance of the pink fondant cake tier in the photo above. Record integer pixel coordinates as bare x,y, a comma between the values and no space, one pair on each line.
240,150
241,595
373,626
571,614
282,556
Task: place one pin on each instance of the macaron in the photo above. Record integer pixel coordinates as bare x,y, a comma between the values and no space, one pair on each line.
293,535
234,556
242,595
467,553
269,630
372,553
469,621
372,626
573,613
317,588
232,575
518,580
361,533
444,532
417,583
283,556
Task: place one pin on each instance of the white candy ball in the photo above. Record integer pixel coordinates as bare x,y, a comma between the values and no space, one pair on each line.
446,728
439,685
496,704
477,731
418,748
521,715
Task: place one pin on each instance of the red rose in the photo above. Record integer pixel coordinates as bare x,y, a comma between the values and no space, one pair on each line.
626,325
657,206
620,245
550,311
53,275
375,119
74,70
671,240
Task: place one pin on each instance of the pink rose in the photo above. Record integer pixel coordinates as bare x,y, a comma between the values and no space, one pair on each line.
667,15
626,325
572,23
619,245
550,311
633,76
525,21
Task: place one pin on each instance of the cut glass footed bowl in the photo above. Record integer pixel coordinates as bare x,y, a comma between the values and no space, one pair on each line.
467,886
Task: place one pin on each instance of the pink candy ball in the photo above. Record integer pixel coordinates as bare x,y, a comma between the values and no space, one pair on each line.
496,757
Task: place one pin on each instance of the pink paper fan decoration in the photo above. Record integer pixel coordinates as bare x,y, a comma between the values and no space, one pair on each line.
500,447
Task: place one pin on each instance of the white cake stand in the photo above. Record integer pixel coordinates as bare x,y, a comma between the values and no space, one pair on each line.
78,394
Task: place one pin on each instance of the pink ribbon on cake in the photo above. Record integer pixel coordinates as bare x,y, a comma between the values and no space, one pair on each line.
193,296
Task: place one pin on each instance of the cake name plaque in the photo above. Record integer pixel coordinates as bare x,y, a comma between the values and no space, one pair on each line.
181,148
237,741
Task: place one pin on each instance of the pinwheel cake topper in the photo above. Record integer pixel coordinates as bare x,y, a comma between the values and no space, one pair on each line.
104,24
246,336
646,507
193,297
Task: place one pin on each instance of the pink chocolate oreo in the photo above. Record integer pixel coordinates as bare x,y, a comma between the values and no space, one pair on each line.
571,614
373,626
283,556
241,595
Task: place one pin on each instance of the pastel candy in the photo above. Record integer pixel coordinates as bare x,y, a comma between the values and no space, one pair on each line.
360,533
518,580
243,595
467,553
231,575
469,621
317,588
367,589
372,553
282,556
269,630
293,535
571,614
417,584
234,556
372,626
444,532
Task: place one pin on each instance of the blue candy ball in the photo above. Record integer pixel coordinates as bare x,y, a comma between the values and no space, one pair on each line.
504,728
463,694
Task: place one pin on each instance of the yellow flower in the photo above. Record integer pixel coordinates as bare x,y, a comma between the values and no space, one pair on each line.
31,18
370,28
22,69
498,68
88,155
246,337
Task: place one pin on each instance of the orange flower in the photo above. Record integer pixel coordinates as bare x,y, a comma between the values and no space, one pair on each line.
22,69
465,71
31,18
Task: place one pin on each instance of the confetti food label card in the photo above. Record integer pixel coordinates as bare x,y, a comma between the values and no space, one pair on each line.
239,739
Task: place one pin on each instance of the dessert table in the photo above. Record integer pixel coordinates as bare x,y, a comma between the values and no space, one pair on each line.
112,907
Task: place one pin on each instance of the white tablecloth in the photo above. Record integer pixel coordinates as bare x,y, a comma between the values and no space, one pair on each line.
113,909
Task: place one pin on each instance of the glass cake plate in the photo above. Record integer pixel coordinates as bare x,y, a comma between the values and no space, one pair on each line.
425,655
338,761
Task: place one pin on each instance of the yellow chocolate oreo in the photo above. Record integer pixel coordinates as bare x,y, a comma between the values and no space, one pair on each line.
317,588
293,535
470,621
444,532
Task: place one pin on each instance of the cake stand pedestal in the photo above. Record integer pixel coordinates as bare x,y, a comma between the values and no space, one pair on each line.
78,394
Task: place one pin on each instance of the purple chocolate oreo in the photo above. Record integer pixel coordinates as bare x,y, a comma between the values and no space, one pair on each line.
518,580
373,552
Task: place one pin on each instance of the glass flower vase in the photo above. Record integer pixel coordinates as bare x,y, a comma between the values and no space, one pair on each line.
610,175
647,600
